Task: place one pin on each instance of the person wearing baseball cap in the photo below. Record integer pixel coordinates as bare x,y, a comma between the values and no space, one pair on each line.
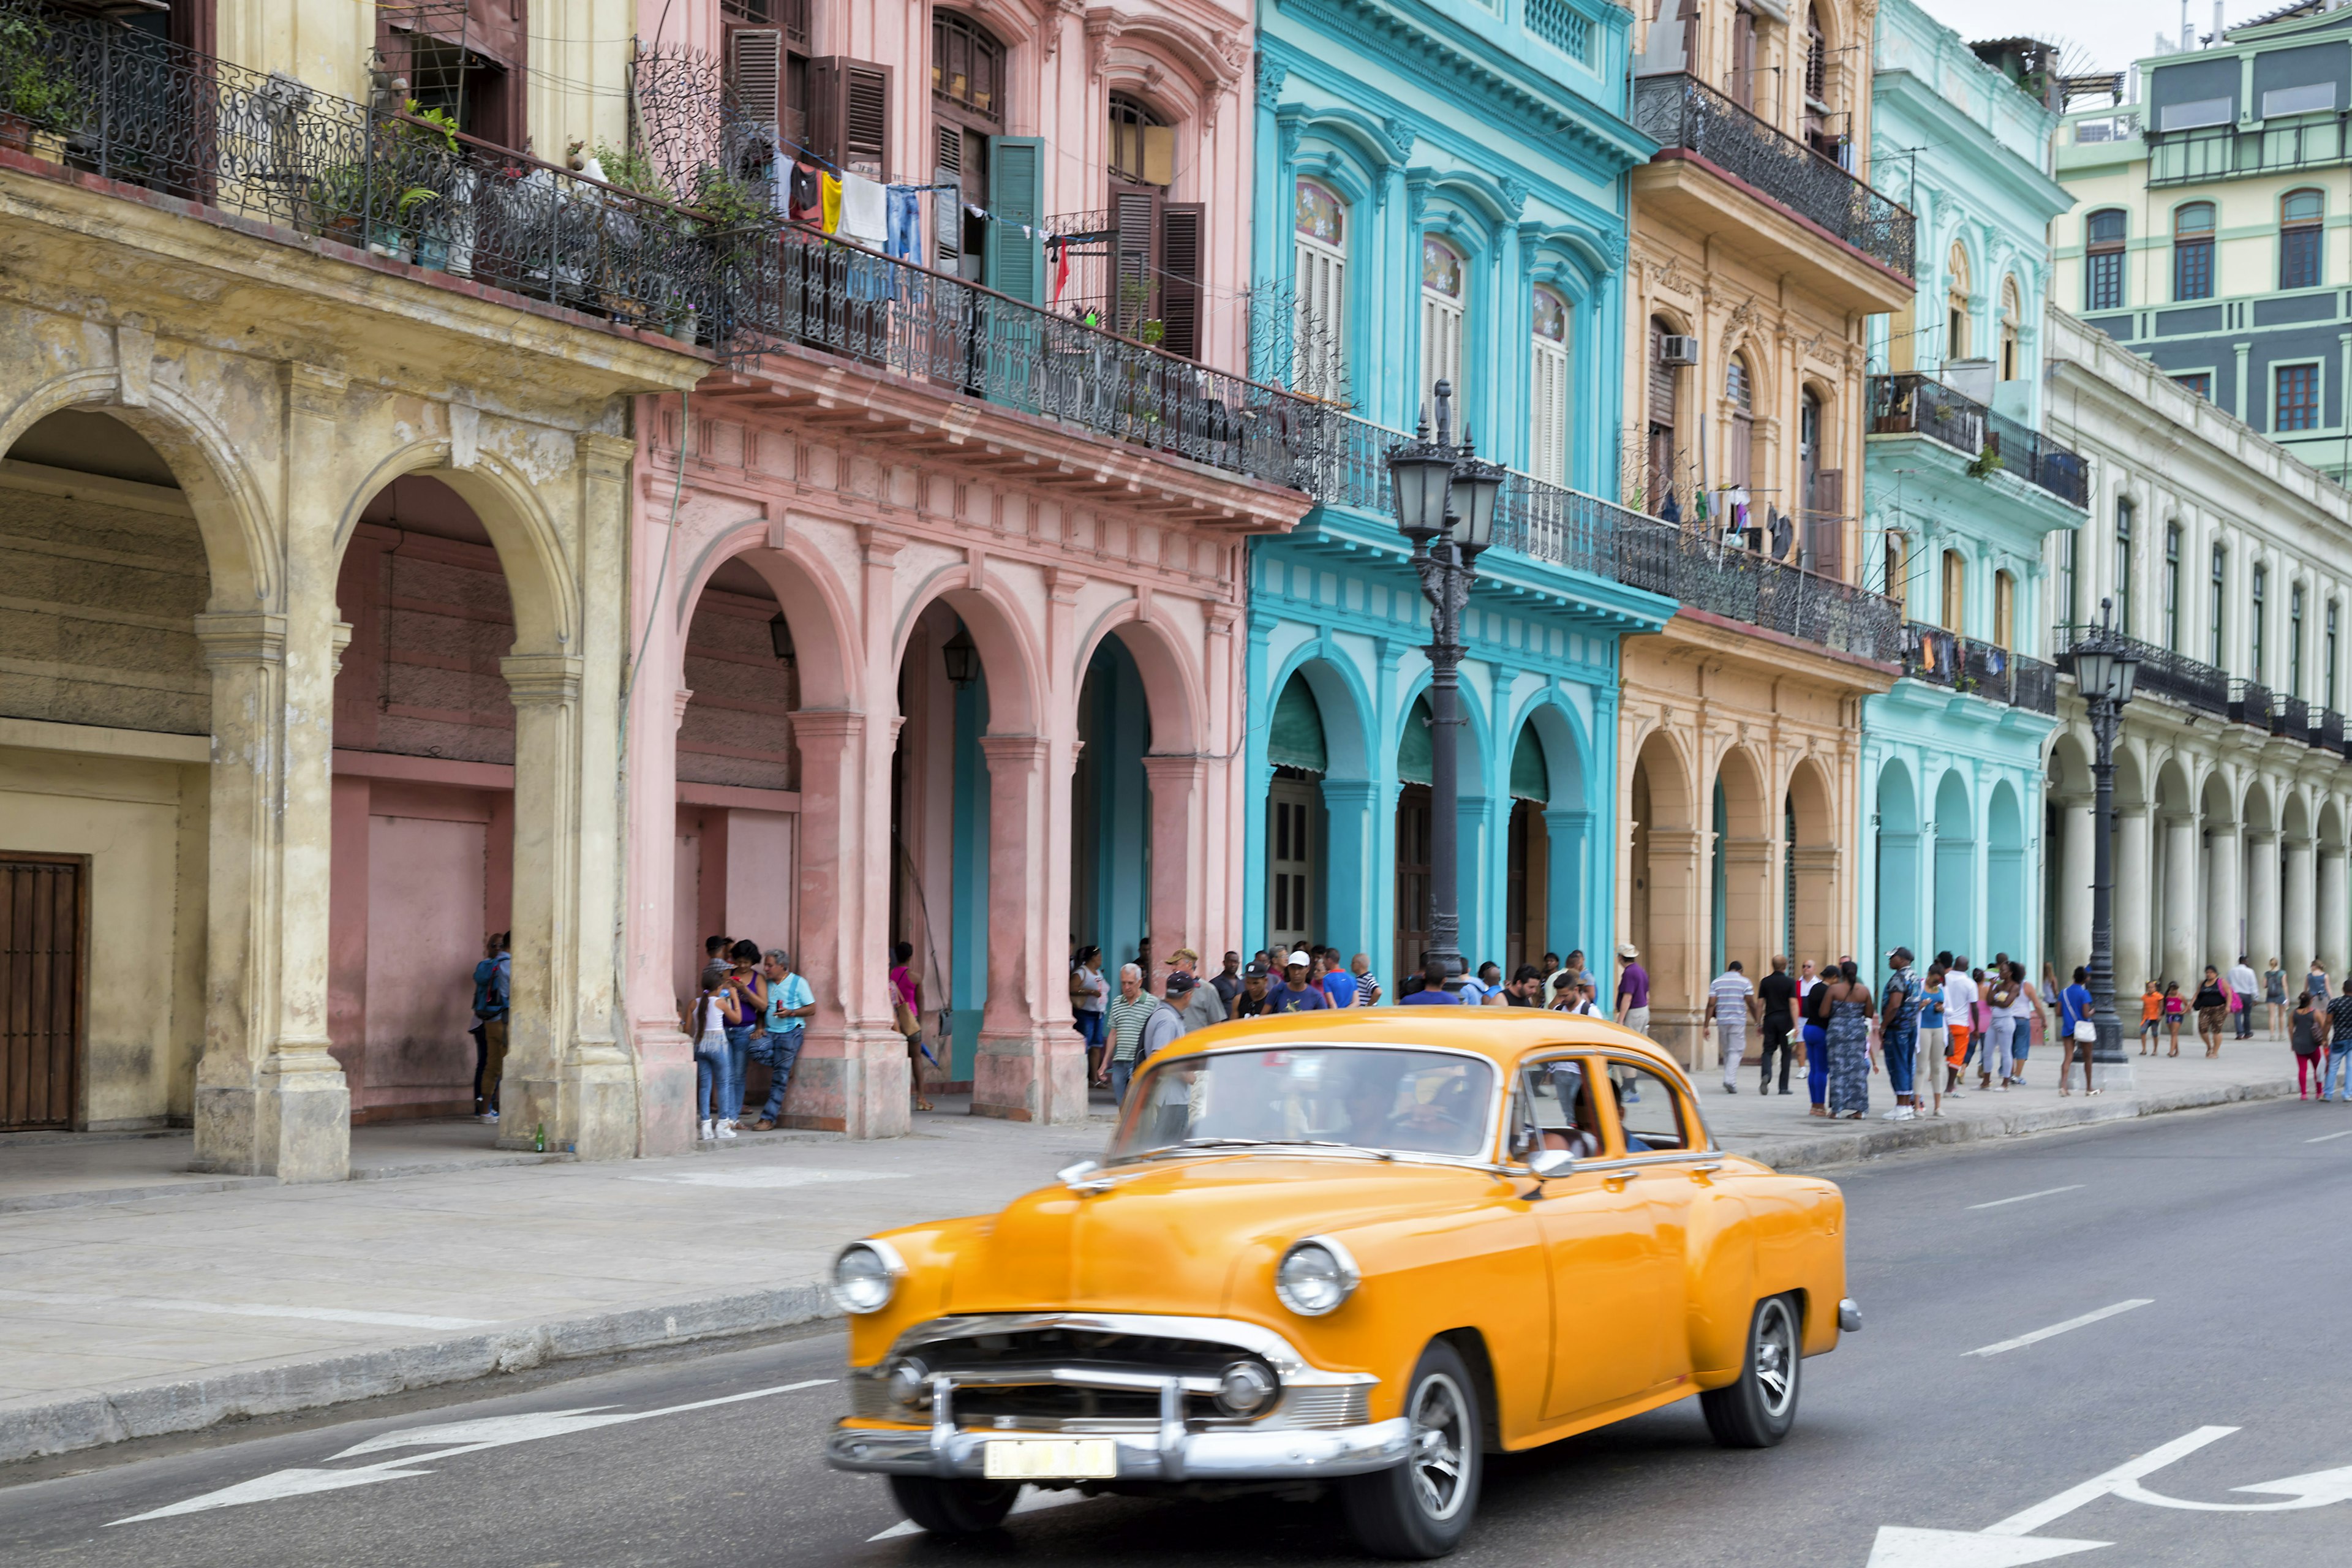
1254,998
1298,993
1633,991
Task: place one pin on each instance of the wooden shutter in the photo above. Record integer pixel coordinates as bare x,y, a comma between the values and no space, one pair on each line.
1184,227
1548,412
849,119
947,204
1662,379
1016,262
1135,246
1828,523
42,917
755,69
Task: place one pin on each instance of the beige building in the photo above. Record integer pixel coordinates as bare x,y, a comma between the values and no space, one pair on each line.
312,652
1758,252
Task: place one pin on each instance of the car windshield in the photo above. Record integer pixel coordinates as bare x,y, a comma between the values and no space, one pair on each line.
1359,1097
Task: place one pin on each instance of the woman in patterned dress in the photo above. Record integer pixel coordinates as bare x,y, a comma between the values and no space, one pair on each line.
1849,1042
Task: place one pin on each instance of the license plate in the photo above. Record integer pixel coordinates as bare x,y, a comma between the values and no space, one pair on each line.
1050,1458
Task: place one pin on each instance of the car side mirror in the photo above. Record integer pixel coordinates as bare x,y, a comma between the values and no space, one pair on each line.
1545,1164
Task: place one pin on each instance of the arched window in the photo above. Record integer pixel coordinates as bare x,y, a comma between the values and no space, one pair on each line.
2193,251
1142,146
1548,389
1956,306
2102,273
1442,286
1739,391
967,66
1956,591
1320,307
2013,326
2301,238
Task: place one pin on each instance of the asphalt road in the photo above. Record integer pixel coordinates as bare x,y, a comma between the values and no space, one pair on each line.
2231,1227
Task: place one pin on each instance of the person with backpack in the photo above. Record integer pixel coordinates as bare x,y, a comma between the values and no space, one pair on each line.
493,993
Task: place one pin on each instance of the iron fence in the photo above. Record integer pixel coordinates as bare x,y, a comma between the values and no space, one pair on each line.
2173,677
1682,111
1986,669
1931,654
2036,687
1911,403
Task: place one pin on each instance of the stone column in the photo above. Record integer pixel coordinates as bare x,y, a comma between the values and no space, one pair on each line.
2182,924
1568,912
2331,917
1749,904
852,1073
2301,936
1816,867
2223,898
2134,901
2262,882
1678,913
1178,907
1349,875
1024,1070
2070,943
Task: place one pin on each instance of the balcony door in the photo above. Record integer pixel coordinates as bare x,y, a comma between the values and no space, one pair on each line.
1412,884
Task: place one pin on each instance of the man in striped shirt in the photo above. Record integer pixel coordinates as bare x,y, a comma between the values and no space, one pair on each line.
1123,1022
1731,1002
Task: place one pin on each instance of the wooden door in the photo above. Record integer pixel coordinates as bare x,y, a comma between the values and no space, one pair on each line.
1413,886
43,914
1290,863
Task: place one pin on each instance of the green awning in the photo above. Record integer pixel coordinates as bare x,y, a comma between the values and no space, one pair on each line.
1296,740
1529,779
1414,748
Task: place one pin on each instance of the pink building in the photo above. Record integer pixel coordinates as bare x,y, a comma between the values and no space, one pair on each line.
937,597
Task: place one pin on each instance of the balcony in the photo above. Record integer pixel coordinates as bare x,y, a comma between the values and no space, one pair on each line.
1914,404
1723,171
1585,533
2226,153
716,269
2173,677
1984,670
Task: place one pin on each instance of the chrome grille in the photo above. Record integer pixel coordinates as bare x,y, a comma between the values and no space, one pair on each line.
1344,1405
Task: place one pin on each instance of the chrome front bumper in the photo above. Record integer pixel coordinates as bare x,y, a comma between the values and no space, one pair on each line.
1161,1455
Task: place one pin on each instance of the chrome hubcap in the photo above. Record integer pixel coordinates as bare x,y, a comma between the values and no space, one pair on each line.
1775,1357
1441,1440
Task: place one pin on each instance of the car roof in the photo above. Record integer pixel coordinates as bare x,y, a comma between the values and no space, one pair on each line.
1504,1034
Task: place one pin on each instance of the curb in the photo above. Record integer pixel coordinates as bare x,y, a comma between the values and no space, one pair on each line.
53,1425
1825,1152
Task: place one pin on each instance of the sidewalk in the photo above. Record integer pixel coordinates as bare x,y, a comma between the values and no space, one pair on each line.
141,1301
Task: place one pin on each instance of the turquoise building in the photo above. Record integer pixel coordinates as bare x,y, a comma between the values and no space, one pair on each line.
1960,491
1441,195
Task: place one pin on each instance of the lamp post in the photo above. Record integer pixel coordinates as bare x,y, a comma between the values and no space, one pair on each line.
2105,666
1428,480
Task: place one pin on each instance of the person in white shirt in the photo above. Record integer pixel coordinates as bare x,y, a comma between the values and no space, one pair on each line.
1960,1011
1731,1004
2243,981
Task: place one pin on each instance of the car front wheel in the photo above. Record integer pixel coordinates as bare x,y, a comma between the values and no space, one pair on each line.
954,1508
1758,1411
1422,1507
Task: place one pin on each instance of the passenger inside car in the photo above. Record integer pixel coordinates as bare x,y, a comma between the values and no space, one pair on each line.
1557,1112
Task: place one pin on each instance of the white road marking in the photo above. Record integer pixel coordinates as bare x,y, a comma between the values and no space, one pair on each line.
1899,1547
774,1176
468,1438
245,1310
2330,1137
2021,1197
2038,1335
2099,1485
1030,1501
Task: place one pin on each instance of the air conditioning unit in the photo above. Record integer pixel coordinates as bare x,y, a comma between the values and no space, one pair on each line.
1678,349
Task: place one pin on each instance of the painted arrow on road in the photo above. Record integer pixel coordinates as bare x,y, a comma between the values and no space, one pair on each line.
1898,1547
460,1438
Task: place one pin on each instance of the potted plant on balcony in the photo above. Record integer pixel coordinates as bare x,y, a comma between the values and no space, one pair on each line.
36,97
1987,462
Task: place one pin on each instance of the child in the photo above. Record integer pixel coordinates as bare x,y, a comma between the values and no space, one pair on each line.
714,1012
2151,1016
2176,1008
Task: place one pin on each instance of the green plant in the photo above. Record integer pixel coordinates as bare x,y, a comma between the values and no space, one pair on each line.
1986,463
443,137
631,170
31,88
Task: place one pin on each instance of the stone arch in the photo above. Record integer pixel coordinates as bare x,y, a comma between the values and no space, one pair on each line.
1339,691
1009,655
1745,829
229,500
811,597
1548,846
1955,905
1171,681
1810,855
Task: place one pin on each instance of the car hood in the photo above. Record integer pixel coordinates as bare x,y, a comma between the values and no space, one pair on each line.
1168,1235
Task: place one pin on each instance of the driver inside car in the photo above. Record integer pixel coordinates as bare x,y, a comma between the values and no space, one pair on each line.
1579,1136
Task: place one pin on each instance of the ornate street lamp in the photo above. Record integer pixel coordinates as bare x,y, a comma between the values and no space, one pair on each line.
1430,480
2105,668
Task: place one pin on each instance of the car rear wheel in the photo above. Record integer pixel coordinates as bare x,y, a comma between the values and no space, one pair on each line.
954,1508
1422,1507
1758,1411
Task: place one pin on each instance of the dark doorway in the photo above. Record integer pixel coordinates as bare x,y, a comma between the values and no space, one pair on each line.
1412,884
42,915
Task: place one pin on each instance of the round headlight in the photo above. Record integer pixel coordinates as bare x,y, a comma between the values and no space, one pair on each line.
1315,1276
866,1276
1245,1389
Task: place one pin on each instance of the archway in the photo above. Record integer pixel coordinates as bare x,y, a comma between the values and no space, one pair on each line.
1547,839
1896,906
1746,913
1320,821
1809,877
1296,824
1663,906
2005,915
1111,843
1956,869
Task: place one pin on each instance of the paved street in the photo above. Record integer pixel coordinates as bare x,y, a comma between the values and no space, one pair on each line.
2217,1222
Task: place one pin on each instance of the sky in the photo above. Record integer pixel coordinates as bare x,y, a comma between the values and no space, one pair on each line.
2108,35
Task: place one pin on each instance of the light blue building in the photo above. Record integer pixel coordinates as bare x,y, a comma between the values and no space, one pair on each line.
1441,193
1960,491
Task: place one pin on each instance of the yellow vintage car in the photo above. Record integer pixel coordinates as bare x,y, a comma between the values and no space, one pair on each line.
1353,1248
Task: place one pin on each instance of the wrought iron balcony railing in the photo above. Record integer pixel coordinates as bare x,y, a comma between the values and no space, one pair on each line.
1986,669
1682,111
2036,688
1915,404
2173,677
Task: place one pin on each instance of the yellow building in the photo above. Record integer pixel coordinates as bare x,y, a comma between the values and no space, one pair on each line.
317,437
1758,252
